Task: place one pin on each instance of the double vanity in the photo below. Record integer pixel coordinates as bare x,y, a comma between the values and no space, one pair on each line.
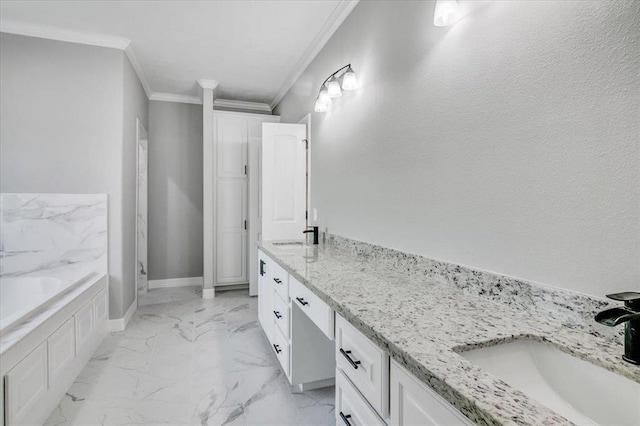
408,340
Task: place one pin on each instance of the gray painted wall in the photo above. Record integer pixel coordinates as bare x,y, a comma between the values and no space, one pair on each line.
175,190
64,115
508,142
135,105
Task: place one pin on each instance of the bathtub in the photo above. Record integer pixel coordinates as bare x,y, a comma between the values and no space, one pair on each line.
51,326
21,297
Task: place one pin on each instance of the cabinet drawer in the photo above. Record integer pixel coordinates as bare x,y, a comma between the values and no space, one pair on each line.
351,406
26,383
84,326
279,278
365,364
281,347
61,349
281,315
318,311
100,307
412,402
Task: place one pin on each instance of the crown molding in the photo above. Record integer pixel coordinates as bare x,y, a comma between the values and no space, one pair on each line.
63,34
172,97
79,37
135,62
249,106
334,21
208,84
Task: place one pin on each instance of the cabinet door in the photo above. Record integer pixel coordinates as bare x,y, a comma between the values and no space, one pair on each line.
26,383
413,403
231,249
84,326
62,349
231,146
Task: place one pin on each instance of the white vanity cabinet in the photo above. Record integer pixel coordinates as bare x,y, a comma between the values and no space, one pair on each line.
300,337
414,403
364,364
314,344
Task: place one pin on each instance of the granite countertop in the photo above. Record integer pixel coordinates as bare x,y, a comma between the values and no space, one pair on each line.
424,322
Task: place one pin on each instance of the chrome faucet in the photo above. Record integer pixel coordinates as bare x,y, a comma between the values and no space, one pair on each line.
313,229
630,315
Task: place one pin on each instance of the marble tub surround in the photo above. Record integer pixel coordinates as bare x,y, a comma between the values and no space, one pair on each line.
423,319
43,234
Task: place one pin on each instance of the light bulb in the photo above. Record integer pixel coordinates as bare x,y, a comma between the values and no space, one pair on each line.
320,107
349,80
333,87
323,96
446,13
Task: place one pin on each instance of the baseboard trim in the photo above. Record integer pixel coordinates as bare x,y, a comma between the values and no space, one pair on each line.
208,293
121,323
231,287
176,282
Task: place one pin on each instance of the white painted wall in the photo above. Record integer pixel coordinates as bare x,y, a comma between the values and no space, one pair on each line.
175,190
509,142
65,128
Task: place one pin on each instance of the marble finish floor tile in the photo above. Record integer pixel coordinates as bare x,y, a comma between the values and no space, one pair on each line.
187,361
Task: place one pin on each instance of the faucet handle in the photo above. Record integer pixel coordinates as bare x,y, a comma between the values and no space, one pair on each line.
631,299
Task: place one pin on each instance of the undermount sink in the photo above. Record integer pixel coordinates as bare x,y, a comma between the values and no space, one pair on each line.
287,243
582,392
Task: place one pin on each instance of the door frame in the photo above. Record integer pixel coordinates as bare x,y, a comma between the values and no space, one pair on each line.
139,129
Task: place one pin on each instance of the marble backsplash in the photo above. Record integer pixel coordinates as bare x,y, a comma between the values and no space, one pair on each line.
571,309
46,232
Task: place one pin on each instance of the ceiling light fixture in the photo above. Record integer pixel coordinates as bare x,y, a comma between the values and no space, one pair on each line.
331,88
447,12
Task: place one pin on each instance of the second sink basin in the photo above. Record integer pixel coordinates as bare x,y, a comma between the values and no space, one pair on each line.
582,392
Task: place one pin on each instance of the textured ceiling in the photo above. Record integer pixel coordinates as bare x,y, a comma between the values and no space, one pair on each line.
251,48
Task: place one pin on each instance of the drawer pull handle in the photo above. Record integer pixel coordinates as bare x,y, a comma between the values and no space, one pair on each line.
262,268
353,363
302,301
277,348
345,418
277,314
277,280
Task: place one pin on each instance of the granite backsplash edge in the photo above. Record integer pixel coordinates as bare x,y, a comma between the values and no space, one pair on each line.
571,309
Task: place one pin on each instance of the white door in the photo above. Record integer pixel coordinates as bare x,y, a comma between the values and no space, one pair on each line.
283,181
231,201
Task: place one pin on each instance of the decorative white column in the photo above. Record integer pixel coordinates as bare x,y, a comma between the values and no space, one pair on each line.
208,96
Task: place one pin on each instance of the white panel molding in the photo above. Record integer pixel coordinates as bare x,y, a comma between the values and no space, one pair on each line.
248,106
333,22
176,282
135,62
121,323
170,97
63,34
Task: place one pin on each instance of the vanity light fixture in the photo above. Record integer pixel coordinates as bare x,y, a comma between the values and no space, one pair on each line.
331,87
447,12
